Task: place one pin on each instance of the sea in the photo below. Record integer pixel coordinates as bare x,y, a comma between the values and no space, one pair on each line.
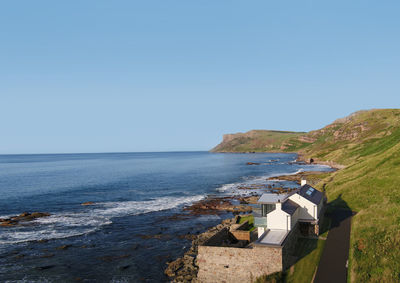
135,223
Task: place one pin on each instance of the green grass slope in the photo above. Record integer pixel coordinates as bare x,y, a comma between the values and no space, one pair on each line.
368,143
256,140
369,185
357,136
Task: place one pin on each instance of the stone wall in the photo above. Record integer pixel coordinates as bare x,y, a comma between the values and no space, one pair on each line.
241,235
227,264
241,231
242,265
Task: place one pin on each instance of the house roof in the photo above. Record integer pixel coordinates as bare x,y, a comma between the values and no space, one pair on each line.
290,206
310,194
270,198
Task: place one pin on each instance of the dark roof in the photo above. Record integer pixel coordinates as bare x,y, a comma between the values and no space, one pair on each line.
289,206
310,194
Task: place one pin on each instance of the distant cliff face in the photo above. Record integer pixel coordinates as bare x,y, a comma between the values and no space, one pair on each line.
257,141
333,142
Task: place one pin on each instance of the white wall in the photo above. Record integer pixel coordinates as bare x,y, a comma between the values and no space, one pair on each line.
278,219
261,231
308,210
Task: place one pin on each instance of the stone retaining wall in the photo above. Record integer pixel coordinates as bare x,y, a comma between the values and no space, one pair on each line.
242,265
241,231
241,235
226,264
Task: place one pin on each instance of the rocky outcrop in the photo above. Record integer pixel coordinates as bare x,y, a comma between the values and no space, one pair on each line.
256,141
253,163
216,205
184,269
23,217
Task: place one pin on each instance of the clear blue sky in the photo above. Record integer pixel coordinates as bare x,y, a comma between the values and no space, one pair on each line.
101,76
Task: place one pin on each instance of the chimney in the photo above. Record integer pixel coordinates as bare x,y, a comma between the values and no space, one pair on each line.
303,182
278,205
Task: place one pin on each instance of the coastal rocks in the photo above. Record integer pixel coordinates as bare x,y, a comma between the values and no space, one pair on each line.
253,163
309,175
88,203
184,269
23,217
215,205
281,190
156,236
63,247
252,187
45,267
248,200
173,267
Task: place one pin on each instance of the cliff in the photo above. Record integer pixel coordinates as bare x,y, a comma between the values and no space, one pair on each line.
256,141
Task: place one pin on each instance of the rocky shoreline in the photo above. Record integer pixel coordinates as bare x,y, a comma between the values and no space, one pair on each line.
185,268
22,218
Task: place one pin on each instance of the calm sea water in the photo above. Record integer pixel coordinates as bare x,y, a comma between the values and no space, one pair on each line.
135,195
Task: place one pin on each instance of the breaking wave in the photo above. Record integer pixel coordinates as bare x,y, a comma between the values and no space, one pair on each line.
89,220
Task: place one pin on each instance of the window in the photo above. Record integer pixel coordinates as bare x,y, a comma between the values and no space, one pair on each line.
267,208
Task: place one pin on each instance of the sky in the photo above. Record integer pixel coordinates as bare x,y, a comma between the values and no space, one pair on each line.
124,76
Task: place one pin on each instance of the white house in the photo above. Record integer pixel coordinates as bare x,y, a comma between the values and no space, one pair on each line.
279,214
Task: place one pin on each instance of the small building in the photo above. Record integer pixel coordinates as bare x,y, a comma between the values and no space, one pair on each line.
279,214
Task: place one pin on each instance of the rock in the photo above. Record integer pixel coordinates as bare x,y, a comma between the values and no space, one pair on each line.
45,267
185,269
253,163
63,247
47,255
88,203
8,223
23,217
173,267
157,236
35,215
124,267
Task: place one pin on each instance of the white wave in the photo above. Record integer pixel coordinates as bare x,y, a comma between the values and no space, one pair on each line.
115,209
233,188
226,187
88,220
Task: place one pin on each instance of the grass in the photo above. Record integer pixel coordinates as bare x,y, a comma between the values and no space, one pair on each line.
257,141
368,143
371,188
308,252
249,218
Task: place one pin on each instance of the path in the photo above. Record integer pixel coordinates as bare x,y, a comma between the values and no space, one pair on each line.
333,264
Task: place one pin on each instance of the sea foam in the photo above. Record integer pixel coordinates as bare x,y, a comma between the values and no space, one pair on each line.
88,220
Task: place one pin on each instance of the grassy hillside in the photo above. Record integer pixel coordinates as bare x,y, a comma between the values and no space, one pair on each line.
369,185
256,140
368,143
